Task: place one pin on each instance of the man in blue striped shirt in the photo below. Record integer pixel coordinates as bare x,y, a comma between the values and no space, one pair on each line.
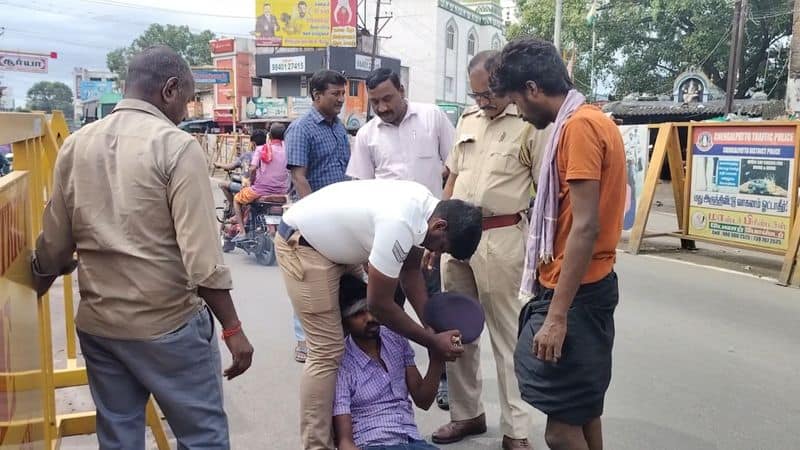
317,144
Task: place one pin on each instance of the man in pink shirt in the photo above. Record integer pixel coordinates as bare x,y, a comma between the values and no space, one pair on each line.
406,141
268,172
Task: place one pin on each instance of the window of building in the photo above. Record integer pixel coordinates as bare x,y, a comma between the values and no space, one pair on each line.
353,84
448,84
451,37
472,44
496,43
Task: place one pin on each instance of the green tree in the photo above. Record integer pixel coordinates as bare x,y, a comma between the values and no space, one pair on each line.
643,44
49,96
194,47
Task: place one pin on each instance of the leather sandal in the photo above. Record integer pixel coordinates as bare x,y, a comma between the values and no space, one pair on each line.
459,429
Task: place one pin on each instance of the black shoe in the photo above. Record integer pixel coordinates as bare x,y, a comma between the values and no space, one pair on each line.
442,396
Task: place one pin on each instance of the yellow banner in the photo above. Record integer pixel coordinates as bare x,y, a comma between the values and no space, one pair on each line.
759,230
293,23
21,398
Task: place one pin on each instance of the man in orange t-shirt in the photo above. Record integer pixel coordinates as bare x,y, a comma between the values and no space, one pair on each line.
563,356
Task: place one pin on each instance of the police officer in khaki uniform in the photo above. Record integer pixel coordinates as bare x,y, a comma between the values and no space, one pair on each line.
493,164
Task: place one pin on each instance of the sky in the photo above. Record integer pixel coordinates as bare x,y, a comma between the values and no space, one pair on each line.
82,32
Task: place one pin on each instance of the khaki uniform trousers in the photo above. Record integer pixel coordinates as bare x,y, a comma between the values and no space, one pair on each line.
493,276
312,282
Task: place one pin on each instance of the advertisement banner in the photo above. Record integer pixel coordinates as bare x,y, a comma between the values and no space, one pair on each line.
266,108
208,76
24,62
223,116
364,62
94,89
299,106
222,46
637,141
344,18
293,23
742,184
224,92
755,229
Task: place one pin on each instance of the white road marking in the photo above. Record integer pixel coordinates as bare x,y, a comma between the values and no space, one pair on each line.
689,263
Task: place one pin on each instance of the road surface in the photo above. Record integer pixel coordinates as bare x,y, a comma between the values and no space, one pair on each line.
704,360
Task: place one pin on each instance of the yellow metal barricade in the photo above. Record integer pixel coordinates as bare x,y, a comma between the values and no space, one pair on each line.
28,379
222,148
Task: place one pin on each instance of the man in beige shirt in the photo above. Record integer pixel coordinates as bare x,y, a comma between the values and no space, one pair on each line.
492,165
129,197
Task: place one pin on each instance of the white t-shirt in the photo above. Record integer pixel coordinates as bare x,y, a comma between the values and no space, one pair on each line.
365,220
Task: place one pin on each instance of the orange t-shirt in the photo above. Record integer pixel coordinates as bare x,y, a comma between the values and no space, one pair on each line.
590,148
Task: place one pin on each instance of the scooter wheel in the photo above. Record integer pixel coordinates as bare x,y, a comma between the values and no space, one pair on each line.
265,250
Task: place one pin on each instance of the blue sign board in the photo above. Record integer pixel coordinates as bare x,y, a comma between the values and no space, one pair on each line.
728,173
208,76
94,89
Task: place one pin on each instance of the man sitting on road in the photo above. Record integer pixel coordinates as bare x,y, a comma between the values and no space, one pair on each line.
377,375
268,172
231,188
337,229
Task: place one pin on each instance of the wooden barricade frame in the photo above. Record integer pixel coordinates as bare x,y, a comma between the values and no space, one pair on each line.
225,148
35,141
667,150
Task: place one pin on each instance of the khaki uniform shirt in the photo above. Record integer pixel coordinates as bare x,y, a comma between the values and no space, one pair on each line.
497,160
131,195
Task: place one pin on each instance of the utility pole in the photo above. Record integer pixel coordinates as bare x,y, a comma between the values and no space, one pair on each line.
793,83
740,13
375,33
557,28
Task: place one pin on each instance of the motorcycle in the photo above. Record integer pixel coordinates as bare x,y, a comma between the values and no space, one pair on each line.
261,219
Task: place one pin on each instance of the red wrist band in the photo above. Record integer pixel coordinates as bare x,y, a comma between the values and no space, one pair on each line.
232,331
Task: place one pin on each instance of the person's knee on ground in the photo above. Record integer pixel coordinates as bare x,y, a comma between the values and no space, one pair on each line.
562,436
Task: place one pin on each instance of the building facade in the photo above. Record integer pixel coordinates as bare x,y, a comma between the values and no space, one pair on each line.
90,85
436,39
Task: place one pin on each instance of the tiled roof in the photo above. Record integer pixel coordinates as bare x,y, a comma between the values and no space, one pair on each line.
768,109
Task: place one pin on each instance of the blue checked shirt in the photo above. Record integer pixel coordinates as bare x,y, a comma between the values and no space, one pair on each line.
322,148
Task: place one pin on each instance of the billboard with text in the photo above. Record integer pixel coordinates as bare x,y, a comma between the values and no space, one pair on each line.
305,23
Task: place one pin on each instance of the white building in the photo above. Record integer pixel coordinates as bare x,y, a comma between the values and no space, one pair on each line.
436,39
89,85
6,98
510,11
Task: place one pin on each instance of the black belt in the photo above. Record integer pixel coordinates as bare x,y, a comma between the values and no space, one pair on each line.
286,231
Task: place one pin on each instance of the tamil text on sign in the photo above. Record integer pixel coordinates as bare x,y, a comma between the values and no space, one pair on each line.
743,184
23,62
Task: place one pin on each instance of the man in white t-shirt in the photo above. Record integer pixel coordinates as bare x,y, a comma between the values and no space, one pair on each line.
405,141
335,230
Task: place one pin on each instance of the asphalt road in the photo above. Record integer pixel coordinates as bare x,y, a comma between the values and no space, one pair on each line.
704,359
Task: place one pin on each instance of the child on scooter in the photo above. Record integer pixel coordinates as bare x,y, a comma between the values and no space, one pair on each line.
268,173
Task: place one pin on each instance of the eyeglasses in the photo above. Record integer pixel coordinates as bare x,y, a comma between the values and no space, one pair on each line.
488,95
